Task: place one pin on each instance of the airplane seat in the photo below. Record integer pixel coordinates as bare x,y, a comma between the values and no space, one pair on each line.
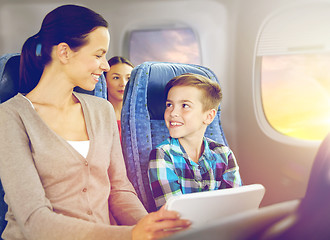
142,119
9,81
9,75
311,220
9,72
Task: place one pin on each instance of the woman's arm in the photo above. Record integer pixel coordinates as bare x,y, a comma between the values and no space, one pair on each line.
26,197
124,203
159,224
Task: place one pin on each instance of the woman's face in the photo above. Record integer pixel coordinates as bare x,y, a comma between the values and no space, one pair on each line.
88,63
117,78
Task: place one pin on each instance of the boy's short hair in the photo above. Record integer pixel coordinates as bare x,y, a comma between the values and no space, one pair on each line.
211,90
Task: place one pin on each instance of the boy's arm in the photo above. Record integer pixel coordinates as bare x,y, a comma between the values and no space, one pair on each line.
231,176
162,177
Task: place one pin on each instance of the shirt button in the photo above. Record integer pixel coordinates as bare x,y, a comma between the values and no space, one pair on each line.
84,190
89,212
86,163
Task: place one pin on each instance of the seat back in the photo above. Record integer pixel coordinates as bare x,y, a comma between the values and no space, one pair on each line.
311,220
9,75
142,119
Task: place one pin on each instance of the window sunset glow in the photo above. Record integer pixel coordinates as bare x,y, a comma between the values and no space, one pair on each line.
168,45
295,91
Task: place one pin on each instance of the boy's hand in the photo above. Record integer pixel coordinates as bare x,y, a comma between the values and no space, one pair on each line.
158,225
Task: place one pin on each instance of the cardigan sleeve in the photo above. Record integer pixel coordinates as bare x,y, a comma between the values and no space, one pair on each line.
25,195
123,202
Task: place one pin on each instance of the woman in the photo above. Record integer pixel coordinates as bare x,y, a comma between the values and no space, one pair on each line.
117,78
59,177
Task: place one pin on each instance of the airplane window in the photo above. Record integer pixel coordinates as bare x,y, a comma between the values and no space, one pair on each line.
295,92
167,45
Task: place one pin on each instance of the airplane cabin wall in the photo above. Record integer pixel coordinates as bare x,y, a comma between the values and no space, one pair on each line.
283,167
227,31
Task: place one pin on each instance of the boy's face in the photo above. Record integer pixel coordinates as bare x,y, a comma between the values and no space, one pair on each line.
184,115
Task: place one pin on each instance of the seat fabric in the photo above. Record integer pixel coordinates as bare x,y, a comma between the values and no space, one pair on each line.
142,119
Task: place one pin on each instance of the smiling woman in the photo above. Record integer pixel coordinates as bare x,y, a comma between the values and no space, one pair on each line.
62,168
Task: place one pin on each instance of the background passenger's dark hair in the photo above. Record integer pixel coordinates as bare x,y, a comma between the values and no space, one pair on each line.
117,59
68,23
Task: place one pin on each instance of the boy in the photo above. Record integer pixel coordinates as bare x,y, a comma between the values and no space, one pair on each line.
187,161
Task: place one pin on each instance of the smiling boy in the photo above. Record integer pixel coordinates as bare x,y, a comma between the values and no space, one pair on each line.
187,161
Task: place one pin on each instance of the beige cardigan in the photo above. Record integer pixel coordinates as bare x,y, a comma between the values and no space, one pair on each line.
51,190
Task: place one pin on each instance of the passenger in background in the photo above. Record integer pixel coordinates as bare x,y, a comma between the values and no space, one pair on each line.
117,78
187,161
61,163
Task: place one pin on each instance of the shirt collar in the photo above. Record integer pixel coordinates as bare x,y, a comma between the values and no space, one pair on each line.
177,149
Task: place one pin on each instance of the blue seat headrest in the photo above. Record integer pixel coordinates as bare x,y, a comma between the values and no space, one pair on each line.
9,76
159,76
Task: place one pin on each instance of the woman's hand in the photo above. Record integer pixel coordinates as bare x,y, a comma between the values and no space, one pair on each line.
158,225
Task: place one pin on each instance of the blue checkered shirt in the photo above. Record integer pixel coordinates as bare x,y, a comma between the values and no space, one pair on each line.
171,172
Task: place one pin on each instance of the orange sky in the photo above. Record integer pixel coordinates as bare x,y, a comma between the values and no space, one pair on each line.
296,94
169,45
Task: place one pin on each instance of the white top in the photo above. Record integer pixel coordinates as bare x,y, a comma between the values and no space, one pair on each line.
81,147
29,102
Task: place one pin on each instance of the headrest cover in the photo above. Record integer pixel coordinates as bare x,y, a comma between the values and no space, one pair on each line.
9,76
159,75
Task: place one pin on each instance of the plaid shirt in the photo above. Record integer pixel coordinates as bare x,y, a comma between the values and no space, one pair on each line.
171,172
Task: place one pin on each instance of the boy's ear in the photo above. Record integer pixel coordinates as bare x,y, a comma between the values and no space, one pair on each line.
210,115
63,52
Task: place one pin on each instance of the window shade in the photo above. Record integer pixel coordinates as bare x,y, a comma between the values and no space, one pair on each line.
303,29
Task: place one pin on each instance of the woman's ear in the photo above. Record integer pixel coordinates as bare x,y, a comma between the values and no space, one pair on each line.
210,115
63,52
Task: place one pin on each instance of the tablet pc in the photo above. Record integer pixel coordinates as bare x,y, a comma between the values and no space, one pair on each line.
202,207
